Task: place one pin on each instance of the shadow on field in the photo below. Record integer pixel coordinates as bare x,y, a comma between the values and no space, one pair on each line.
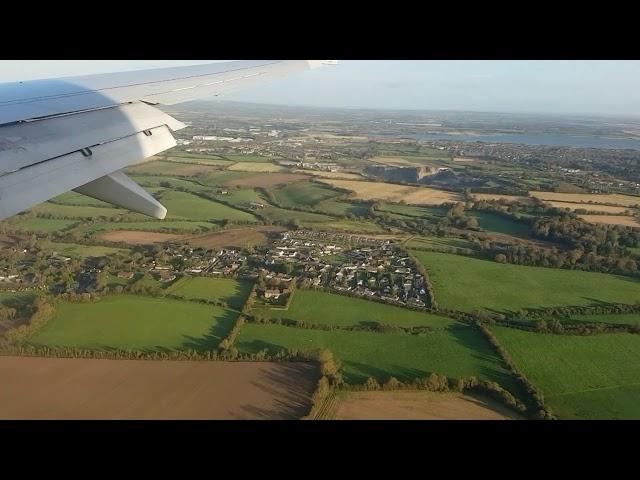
219,329
290,385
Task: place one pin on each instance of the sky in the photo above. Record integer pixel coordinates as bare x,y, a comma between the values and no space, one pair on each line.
554,86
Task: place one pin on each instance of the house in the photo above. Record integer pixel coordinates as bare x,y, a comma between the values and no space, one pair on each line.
272,294
125,275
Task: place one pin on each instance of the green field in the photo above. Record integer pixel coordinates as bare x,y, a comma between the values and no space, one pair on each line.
219,178
154,181
161,167
620,319
17,298
345,226
136,323
457,352
442,244
247,158
276,214
40,224
183,205
73,198
240,196
497,223
83,251
337,207
303,193
233,292
321,308
257,167
154,226
463,283
397,210
582,377
71,211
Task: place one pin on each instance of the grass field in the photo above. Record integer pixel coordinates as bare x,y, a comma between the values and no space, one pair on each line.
256,167
183,205
133,237
455,352
430,213
442,243
337,207
154,226
153,181
611,199
621,319
582,377
241,196
73,198
71,211
136,323
233,292
84,251
303,193
247,158
276,214
321,308
497,223
395,193
345,226
463,283
264,180
40,225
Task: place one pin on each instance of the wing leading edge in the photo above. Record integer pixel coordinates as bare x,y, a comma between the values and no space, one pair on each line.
77,133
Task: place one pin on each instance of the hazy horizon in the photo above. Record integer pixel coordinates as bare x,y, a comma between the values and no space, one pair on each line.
549,87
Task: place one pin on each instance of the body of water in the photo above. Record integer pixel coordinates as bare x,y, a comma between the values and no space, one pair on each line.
537,139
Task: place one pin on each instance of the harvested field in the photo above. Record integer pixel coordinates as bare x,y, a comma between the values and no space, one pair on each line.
266,180
611,199
417,406
60,388
626,220
138,238
395,193
342,175
495,196
234,238
256,167
588,207
396,162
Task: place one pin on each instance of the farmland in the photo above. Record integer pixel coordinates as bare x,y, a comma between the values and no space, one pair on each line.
128,322
582,377
93,389
497,223
153,226
266,180
589,207
442,244
320,308
179,169
457,352
337,207
415,406
618,319
256,167
463,283
625,220
395,193
40,224
84,251
138,238
303,193
71,211
240,238
183,205
586,198
232,292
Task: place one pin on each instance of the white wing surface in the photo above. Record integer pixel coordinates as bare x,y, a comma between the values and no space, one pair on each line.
77,133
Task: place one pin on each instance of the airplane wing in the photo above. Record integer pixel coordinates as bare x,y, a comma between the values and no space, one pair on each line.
78,133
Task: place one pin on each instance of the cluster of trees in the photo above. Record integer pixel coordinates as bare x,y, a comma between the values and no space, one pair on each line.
428,286
543,411
226,345
42,310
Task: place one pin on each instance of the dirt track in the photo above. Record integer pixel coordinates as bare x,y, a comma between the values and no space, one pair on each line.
56,388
